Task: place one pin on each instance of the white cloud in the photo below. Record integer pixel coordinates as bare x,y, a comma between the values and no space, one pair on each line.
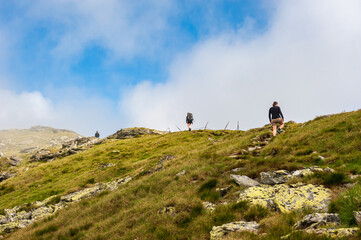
75,111
308,60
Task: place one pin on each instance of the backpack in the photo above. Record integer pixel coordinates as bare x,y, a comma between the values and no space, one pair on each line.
190,117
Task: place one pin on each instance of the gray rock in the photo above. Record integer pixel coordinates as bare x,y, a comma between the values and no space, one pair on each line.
244,180
357,217
317,220
6,175
15,160
183,172
275,177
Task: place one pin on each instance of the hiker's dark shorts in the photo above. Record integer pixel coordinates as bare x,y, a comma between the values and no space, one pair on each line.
189,122
276,121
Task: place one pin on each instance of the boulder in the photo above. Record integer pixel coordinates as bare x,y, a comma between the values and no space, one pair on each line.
241,226
244,180
317,220
357,217
275,177
285,198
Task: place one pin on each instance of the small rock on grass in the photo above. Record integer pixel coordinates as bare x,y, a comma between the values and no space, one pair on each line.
210,207
183,172
357,217
244,180
241,226
317,220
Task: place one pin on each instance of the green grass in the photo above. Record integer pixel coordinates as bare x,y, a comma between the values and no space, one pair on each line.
131,211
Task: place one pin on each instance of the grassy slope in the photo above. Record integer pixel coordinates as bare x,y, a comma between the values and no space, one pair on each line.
131,211
14,140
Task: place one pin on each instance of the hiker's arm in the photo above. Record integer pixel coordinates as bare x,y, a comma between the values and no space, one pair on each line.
269,115
282,115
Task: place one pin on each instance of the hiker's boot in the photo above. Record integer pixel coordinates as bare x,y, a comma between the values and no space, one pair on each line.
279,130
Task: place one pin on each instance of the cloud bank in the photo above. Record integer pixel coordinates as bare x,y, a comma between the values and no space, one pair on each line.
308,59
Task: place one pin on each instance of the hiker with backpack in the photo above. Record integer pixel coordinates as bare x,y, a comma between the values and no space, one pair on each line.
97,135
189,120
276,118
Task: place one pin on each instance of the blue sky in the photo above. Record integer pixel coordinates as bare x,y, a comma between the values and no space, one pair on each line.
87,65
95,69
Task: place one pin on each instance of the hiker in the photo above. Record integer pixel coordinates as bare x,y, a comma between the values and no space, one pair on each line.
97,135
189,120
276,118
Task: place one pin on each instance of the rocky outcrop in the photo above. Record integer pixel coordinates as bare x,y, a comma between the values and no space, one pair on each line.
6,175
284,197
244,180
68,148
241,226
282,176
17,218
159,165
255,147
134,132
318,220
15,160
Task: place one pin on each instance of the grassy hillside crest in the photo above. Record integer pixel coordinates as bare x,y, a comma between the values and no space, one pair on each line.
181,186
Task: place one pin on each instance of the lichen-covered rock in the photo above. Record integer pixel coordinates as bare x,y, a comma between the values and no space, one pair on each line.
208,206
357,216
317,220
301,172
334,232
284,197
170,210
241,226
275,177
244,180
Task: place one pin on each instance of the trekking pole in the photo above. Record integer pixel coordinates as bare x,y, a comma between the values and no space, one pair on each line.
206,126
178,128
226,126
237,125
